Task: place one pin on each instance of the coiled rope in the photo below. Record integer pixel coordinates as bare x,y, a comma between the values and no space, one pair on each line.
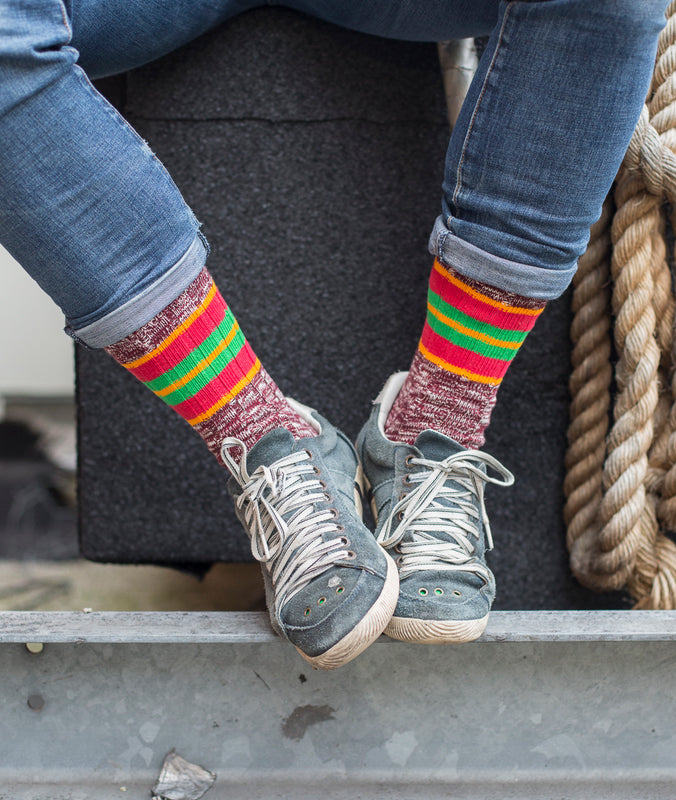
621,486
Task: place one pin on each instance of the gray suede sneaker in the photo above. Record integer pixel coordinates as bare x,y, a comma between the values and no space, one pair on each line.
428,501
330,588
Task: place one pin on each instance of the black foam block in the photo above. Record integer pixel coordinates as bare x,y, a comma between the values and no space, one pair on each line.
315,168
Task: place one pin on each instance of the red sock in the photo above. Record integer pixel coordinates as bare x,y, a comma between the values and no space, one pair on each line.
472,333
195,357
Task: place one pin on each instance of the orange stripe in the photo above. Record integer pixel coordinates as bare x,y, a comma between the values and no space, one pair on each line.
236,389
457,370
532,312
469,332
176,332
201,364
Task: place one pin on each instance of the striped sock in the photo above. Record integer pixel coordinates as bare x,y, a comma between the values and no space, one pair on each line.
472,333
194,356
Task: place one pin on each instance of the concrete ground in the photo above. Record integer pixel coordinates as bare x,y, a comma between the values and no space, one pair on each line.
78,584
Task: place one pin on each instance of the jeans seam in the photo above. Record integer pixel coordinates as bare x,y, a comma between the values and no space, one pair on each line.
470,127
66,21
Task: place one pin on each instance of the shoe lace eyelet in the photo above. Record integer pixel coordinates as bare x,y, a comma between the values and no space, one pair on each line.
407,480
315,468
340,589
400,516
307,611
399,560
321,601
423,592
408,460
343,539
323,484
334,511
351,555
438,591
456,593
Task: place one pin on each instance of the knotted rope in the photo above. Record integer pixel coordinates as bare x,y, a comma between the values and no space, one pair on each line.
621,488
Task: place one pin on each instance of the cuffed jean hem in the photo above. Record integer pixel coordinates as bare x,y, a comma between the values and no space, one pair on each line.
141,309
538,283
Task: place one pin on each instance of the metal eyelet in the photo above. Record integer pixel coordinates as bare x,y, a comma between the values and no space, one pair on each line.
407,460
400,516
407,480
321,601
351,554
438,591
323,484
340,589
316,469
456,593
422,591
309,453
344,540
399,560
308,611
334,511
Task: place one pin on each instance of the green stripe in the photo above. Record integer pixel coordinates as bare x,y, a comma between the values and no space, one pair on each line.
201,351
476,325
468,342
208,373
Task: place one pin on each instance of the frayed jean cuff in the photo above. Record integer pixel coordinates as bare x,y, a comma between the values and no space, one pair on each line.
538,283
141,309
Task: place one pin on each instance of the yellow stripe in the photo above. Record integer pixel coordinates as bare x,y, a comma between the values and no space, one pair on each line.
469,332
176,332
237,388
532,312
457,370
200,365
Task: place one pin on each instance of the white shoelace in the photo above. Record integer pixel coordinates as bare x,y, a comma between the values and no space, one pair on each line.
292,550
420,514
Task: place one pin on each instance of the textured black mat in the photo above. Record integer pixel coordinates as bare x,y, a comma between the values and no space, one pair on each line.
315,168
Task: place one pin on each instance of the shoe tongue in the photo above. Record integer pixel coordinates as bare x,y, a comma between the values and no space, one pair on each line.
436,446
274,445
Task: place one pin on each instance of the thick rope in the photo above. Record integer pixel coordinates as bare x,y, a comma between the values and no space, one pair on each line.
615,506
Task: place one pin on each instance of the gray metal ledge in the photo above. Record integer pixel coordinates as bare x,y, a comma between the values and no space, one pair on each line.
94,712
253,627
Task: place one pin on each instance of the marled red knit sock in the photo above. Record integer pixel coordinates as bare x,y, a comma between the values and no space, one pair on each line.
194,356
472,333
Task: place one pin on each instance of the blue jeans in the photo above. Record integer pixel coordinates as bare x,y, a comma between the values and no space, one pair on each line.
94,217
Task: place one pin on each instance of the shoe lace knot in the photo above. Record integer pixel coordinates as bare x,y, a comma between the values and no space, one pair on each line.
286,528
441,519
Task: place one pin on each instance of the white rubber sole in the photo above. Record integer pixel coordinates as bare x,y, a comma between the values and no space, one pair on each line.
425,631
367,630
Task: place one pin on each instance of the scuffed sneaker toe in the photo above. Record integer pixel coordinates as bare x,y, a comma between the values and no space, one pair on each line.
330,588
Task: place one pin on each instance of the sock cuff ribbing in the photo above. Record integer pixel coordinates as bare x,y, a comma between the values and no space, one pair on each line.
474,330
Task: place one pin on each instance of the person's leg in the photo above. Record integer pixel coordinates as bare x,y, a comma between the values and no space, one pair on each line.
94,217
539,140
533,154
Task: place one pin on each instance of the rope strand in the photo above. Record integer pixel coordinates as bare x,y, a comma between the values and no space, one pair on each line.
621,491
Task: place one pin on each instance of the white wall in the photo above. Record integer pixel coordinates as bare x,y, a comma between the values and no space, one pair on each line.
36,356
